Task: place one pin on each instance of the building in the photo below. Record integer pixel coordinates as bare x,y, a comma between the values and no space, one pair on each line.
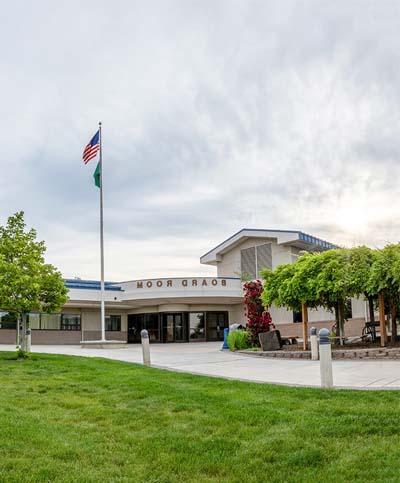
181,309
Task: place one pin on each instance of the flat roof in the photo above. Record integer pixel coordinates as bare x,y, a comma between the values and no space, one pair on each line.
295,238
90,284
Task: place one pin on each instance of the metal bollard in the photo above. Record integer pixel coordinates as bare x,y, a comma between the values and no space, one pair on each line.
314,344
325,357
145,347
225,344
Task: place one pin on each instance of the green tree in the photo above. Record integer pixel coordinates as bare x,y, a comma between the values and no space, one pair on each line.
361,260
316,280
27,283
385,278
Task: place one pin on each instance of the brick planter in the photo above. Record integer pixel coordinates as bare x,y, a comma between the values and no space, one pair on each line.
367,354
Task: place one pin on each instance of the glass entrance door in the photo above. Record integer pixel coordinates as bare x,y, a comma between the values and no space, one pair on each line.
174,328
135,325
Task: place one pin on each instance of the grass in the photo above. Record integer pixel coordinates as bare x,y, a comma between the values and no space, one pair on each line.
70,419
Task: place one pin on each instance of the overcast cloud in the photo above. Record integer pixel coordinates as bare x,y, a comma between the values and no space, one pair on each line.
217,115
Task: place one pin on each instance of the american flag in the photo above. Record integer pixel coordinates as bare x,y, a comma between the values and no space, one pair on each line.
92,148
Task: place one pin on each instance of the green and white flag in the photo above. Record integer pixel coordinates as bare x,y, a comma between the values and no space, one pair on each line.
97,175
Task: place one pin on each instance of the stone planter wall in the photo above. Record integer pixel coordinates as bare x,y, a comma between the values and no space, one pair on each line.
368,354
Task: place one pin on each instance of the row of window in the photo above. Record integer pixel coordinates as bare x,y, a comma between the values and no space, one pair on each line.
38,321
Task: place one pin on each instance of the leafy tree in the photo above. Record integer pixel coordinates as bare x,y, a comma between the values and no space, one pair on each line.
279,289
361,260
315,279
385,278
27,283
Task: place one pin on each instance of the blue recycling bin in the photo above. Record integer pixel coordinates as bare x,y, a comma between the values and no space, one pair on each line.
225,344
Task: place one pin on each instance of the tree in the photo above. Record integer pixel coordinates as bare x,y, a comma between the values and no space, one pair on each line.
361,260
258,319
27,283
315,280
385,279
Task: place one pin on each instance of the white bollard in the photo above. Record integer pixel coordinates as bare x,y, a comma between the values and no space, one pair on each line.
325,357
314,344
145,347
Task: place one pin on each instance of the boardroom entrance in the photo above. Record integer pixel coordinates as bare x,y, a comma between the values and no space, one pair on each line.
178,326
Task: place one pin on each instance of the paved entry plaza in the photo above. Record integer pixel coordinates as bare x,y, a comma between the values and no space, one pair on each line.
207,359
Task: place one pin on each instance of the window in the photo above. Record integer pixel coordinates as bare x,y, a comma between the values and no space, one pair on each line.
348,310
70,322
197,326
38,321
50,321
297,316
34,321
216,323
113,322
255,259
137,322
8,320
152,326
248,263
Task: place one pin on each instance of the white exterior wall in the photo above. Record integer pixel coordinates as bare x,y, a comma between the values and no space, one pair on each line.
358,308
91,318
230,265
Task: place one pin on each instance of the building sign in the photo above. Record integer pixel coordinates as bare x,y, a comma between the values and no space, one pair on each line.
185,282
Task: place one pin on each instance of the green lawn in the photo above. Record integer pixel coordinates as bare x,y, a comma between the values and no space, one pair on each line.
77,419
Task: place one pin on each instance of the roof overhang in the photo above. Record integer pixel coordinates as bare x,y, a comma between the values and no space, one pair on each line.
283,237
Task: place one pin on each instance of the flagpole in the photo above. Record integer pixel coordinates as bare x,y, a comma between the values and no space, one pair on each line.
102,310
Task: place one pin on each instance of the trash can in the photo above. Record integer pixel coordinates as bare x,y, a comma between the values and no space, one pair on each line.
225,344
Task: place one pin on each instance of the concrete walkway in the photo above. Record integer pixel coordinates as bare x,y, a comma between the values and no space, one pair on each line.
207,359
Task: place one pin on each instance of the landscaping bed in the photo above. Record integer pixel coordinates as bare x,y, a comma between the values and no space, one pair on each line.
350,351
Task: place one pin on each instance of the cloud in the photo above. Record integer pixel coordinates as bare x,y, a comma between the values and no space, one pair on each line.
217,116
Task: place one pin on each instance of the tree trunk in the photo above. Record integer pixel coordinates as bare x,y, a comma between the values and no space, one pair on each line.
339,325
393,316
341,321
371,309
18,332
22,335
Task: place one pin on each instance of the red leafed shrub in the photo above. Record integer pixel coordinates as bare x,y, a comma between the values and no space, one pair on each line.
258,320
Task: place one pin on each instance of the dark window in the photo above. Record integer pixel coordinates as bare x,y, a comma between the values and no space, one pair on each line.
137,322
297,316
197,326
113,322
348,311
216,323
8,320
70,322
152,326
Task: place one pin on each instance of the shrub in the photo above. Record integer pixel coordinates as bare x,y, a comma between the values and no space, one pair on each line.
238,340
258,319
21,354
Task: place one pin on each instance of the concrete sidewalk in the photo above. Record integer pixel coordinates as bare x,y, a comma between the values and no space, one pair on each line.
207,359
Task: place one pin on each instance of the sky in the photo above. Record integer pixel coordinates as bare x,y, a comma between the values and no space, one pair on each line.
217,115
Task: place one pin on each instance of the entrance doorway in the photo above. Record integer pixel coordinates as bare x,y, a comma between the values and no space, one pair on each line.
135,325
174,327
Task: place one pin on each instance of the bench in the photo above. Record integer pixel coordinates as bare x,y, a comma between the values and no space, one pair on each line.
289,340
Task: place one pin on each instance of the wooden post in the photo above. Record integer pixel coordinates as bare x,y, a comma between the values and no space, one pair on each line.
304,314
382,321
